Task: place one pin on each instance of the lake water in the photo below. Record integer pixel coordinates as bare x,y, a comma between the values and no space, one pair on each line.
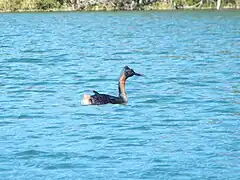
182,120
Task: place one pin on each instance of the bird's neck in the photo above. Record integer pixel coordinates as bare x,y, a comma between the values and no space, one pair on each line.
121,88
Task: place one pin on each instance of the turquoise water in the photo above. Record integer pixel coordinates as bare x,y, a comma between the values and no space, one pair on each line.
182,119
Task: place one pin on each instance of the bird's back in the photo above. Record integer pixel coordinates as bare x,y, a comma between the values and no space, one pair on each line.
105,99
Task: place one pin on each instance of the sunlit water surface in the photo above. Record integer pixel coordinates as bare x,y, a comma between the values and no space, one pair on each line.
182,119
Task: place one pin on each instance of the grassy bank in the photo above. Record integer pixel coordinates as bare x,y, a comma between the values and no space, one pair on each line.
110,5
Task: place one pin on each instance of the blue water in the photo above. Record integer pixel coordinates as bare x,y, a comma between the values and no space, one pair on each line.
182,120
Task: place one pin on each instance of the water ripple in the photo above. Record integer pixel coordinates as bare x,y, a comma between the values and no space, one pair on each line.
182,118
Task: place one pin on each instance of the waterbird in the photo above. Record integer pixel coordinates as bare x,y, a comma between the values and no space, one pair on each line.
99,99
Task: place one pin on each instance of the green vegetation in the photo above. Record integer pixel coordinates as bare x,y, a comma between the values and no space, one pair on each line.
109,5
32,5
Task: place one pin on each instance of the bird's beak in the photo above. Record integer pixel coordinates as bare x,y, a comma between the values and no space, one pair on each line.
138,74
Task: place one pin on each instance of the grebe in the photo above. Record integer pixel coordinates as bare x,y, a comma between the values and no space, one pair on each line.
98,99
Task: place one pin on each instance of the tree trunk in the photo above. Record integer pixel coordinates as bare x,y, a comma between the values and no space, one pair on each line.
73,3
238,4
200,4
218,4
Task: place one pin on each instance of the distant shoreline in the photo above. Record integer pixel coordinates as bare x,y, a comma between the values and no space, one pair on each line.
55,6
148,10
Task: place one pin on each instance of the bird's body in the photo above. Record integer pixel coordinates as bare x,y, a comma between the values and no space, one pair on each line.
98,99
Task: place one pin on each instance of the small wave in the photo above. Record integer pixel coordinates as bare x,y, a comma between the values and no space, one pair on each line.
122,53
150,101
28,153
144,128
64,166
24,60
95,137
25,116
5,123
